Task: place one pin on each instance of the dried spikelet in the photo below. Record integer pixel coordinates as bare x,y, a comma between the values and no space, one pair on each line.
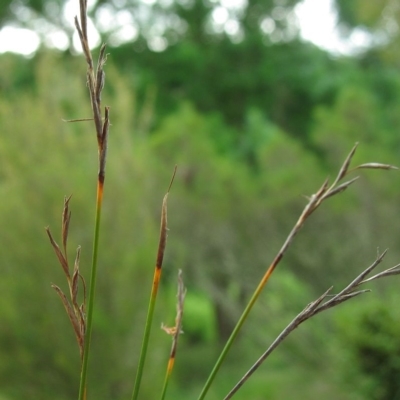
75,312
376,166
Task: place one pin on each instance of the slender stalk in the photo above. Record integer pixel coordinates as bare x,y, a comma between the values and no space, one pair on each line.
170,367
175,332
147,330
92,289
297,321
95,83
317,306
307,210
154,291
324,192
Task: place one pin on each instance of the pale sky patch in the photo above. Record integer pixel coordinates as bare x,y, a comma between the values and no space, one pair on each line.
317,21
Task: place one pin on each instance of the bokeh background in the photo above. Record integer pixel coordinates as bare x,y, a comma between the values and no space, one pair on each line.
256,118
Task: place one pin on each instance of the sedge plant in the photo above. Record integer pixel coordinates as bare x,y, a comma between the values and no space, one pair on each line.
95,82
81,315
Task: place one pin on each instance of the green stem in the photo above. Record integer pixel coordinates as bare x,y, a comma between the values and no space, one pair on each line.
154,290
90,306
146,335
230,341
166,381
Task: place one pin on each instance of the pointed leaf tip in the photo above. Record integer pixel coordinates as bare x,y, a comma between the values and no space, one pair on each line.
172,179
344,169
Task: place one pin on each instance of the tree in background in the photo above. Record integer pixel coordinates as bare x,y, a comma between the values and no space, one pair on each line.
226,58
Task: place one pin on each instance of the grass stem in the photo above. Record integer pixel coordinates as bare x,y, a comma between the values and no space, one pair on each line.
92,289
324,192
154,291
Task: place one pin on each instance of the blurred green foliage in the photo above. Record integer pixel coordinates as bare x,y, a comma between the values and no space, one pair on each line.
253,127
215,76
372,349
